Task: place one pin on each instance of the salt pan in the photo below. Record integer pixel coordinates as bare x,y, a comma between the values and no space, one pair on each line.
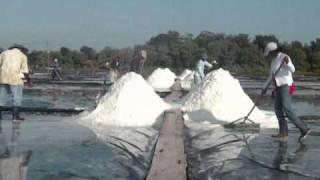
161,78
220,98
130,102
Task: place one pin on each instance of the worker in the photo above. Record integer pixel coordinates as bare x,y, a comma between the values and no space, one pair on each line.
284,86
114,72
200,66
13,70
138,62
56,73
115,64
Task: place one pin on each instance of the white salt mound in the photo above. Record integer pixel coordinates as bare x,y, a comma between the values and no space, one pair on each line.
130,102
185,73
220,98
161,78
187,82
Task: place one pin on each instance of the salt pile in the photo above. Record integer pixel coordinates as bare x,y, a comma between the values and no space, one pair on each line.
220,98
185,73
161,78
130,102
187,79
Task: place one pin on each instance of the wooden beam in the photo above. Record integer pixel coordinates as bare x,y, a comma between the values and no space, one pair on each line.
43,109
169,160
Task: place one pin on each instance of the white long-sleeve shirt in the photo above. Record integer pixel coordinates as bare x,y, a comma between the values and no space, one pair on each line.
200,67
13,64
284,76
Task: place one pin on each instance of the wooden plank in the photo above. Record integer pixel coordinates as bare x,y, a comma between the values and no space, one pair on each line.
174,96
43,110
176,93
14,167
169,161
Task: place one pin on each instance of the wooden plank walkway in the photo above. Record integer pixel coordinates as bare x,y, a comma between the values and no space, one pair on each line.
169,161
45,110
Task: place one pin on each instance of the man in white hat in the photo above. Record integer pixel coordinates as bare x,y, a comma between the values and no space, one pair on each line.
283,83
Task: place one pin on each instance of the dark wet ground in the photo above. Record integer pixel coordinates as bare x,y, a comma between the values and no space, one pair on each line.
62,149
218,153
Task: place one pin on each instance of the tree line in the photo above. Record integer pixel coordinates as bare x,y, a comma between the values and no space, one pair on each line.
237,53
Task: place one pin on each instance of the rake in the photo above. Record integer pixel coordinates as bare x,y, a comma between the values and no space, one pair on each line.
242,122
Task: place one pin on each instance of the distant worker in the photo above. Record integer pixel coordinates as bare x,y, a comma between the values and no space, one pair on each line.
138,62
200,66
56,72
13,70
113,69
115,64
284,87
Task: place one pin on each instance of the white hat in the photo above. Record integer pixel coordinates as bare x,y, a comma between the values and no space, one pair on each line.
271,46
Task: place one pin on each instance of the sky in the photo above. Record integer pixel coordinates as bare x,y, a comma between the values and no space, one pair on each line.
41,24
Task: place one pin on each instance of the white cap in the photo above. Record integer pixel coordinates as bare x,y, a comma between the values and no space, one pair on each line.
271,46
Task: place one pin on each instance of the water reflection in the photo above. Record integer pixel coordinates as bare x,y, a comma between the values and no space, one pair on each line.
283,160
281,156
14,164
240,155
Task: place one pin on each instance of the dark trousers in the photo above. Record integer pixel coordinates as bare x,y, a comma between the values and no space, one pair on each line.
283,107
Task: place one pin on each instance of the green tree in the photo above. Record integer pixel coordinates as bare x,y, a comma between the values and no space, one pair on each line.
38,58
242,40
225,51
206,37
89,52
66,56
261,40
299,58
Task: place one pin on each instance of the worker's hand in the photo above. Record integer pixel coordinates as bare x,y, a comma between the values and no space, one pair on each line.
286,60
28,78
29,83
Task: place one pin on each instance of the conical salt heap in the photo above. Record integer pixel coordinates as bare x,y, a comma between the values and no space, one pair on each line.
130,102
187,79
162,78
220,98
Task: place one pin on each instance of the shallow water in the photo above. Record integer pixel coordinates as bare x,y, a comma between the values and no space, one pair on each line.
62,148
58,99
218,153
